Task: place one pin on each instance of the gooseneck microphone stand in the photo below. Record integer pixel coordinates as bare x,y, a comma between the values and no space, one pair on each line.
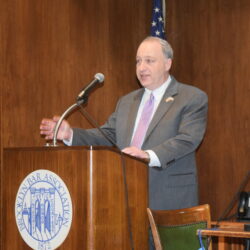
58,124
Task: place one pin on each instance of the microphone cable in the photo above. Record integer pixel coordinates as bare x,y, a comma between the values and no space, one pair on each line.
224,214
93,122
234,199
230,206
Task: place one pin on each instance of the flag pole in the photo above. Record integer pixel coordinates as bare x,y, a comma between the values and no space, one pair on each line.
164,12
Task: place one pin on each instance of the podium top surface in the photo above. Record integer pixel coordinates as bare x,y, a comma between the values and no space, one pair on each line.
45,147
70,148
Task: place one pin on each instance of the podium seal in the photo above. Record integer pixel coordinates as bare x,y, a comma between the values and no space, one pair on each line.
43,210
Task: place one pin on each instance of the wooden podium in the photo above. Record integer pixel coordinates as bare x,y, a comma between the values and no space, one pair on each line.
94,178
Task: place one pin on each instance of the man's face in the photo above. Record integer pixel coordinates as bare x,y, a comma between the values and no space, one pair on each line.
152,67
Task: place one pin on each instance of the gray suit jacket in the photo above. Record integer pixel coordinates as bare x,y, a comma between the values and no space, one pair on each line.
174,134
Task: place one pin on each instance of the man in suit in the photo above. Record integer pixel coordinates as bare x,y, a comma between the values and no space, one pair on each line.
176,127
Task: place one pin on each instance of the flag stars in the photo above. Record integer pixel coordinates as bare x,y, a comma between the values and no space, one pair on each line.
160,19
157,10
157,23
157,32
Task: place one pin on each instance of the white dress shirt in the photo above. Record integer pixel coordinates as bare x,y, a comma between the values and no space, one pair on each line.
158,94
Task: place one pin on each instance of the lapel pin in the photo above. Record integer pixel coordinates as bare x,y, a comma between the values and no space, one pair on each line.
169,99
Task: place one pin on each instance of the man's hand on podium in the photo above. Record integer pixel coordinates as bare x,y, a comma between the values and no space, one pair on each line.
136,152
47,128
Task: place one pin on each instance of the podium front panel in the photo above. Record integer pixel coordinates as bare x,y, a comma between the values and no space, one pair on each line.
95,181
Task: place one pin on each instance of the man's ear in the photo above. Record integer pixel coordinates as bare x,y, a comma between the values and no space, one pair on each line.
168,64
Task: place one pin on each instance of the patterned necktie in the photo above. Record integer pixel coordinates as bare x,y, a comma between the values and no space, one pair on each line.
143,122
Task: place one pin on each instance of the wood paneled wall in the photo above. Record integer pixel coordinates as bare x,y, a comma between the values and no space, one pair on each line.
212,51
50,49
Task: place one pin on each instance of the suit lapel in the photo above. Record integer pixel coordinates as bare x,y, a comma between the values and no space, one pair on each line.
132,116
164,106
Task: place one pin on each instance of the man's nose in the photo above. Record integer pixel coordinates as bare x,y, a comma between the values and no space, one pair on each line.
141,66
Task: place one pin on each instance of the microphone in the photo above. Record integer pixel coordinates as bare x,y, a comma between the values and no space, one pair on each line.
99,78
82,98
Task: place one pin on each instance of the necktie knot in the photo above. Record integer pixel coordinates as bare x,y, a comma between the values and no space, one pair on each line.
151,98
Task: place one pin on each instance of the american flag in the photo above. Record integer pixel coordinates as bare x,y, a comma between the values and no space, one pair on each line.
157,24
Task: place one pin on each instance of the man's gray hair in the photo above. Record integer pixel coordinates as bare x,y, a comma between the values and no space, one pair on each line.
166,47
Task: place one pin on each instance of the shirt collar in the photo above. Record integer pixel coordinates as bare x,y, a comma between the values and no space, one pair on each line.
160,90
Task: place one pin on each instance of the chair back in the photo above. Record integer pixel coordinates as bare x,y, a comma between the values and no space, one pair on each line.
177,229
